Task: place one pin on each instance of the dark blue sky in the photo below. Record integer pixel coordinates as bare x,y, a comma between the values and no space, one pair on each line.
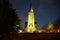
45,10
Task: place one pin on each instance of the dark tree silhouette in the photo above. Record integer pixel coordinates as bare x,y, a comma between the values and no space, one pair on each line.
57,23
8,17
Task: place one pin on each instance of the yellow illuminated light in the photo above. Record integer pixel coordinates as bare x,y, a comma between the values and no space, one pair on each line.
30,26
40,31
20,31
31,9
50,26
17,25
58,29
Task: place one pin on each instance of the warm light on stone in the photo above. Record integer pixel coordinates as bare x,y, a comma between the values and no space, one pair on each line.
40,31
31,25
59,30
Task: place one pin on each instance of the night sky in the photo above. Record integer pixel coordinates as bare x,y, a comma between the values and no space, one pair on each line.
45,10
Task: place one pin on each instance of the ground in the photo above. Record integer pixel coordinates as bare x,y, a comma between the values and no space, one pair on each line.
31,36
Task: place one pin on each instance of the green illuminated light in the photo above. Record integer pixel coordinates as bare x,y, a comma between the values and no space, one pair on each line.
20,31
31,25
17,25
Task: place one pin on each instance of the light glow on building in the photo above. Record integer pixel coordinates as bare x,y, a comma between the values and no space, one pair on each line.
31,22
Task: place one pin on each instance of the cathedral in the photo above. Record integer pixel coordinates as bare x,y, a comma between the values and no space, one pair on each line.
30,25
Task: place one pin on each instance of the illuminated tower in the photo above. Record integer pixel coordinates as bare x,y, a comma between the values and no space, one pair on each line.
30,24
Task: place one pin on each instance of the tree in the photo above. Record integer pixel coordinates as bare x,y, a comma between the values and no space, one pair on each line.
45,27
53,25
57,23
8,17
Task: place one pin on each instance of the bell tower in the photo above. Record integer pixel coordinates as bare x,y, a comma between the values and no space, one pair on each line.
30,24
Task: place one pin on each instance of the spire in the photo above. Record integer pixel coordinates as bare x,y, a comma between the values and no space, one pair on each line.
31,9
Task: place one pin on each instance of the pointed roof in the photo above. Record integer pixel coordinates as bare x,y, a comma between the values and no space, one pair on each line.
31,9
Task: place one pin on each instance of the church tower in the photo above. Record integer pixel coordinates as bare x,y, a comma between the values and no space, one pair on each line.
31,22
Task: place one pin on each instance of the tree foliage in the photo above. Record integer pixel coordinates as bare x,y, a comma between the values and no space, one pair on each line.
57,23
8,17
